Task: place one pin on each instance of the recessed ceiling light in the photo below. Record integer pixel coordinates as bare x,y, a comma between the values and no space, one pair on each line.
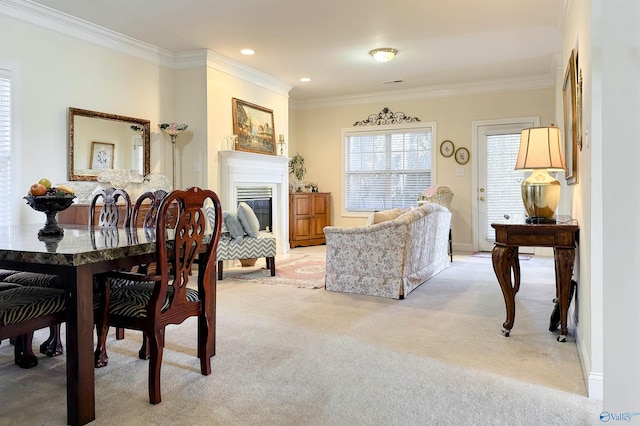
247,51
384,54
305,79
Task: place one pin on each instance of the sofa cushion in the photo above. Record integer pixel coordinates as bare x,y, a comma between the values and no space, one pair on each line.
384,215
232,223
248,219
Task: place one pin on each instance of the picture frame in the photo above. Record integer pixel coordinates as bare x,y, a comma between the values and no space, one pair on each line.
571,123
253,125
101,155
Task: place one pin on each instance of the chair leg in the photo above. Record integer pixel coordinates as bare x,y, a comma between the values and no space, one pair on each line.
119,333
143,353
102,327
206,343
23,352
156,346
271,264
220,263
53,345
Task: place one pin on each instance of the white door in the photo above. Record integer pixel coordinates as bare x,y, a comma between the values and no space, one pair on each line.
498,184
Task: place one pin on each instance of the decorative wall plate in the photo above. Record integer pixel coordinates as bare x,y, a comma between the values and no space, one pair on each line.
447,148
462,155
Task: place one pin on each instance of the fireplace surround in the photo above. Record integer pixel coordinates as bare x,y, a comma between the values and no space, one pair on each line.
239,169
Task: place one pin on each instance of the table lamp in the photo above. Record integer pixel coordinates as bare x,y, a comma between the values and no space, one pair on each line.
540,151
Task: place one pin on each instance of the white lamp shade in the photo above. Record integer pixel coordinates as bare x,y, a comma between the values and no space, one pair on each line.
540,148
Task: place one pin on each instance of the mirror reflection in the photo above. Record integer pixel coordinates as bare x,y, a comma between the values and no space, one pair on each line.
100,141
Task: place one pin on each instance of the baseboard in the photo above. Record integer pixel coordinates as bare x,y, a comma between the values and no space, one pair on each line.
594,380
595,384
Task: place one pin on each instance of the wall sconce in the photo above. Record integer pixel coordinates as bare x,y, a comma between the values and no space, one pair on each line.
540,151
281,144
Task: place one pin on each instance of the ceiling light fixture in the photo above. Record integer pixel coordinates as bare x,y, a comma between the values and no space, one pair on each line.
247,51
305,79
384,54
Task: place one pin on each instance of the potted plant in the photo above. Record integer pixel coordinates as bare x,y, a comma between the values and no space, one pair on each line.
298,170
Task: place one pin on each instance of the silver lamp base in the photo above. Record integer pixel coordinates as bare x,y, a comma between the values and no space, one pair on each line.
540,195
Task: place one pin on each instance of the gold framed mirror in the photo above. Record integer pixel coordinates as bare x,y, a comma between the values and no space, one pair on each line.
129,138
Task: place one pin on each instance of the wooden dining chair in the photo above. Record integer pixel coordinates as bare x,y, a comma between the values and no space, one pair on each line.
144,214
109,209
151,302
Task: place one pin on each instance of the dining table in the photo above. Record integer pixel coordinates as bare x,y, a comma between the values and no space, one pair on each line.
79,253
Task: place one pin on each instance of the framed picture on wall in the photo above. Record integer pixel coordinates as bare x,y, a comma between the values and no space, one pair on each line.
101,155
253,125
571,127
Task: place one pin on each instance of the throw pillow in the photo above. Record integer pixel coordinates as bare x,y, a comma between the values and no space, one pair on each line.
384,215
233,225
248,219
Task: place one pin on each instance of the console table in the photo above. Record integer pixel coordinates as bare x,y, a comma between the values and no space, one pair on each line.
511,235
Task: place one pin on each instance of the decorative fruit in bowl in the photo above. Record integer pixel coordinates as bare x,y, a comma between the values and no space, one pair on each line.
51,201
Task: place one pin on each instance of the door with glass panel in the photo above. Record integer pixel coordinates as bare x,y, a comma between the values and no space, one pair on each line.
499,195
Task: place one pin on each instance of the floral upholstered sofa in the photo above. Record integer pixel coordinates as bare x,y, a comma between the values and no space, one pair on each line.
391,258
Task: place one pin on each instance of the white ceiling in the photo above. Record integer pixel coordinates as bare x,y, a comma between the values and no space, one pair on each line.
441,43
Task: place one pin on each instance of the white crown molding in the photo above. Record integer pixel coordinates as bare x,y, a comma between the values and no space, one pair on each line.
54,20
441,91
211,59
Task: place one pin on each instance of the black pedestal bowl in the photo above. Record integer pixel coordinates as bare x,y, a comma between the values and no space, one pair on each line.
50,205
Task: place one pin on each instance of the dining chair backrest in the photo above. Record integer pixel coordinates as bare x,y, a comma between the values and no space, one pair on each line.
110,211
153,199
189,246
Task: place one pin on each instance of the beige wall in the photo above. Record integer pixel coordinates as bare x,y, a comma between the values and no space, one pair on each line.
221,87
582,197
57,72
318,133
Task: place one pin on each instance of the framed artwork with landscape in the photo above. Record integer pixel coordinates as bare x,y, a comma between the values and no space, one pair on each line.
101,155
253,125
571,121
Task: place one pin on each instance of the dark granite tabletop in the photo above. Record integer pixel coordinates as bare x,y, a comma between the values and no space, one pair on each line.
77,246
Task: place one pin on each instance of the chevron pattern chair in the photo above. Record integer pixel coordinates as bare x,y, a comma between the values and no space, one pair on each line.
264,245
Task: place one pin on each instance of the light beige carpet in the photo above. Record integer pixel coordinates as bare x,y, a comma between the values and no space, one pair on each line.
294,356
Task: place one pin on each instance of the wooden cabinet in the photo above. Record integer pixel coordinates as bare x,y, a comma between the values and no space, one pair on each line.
309,213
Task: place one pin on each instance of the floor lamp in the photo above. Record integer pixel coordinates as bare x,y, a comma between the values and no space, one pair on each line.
173,130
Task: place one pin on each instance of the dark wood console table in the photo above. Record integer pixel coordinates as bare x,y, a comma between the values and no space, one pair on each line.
562,236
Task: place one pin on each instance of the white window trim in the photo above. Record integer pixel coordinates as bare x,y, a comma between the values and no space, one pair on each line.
12,69
431,125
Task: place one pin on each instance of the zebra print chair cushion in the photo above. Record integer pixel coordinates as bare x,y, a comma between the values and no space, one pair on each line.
24,303
34,279
4,273
8,286
131,298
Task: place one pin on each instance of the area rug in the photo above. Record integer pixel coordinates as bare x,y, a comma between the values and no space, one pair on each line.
305,271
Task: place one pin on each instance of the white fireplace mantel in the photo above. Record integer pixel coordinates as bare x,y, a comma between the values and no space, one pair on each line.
239,169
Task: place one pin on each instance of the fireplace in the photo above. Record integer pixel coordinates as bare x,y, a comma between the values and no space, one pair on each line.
260,199
240,171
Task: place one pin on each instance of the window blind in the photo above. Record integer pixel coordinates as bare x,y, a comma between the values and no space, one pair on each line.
386,169
504,196
5,148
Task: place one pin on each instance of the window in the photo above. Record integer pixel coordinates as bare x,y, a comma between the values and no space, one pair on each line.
5,147
386,168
